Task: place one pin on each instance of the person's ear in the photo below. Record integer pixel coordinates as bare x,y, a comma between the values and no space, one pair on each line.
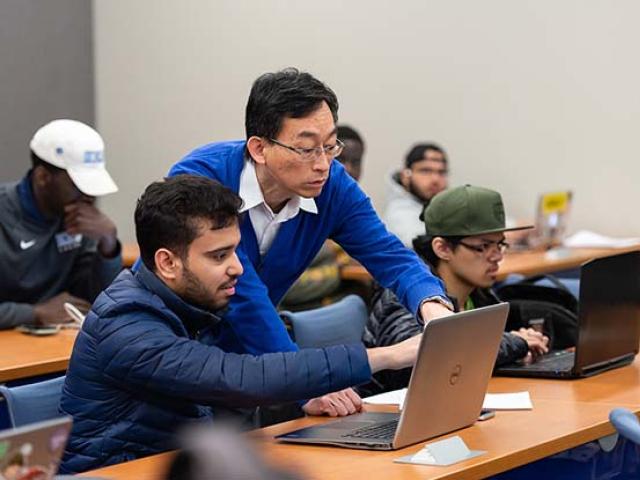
168,265
256,147
441,248
42,177
405,177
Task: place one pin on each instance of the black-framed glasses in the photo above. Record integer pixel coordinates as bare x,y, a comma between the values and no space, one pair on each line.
486,246
310,154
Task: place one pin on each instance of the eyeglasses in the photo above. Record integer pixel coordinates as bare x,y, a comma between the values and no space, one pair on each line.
440,172
486,246
310,154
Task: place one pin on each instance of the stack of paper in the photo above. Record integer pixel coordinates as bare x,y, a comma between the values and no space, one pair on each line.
587,239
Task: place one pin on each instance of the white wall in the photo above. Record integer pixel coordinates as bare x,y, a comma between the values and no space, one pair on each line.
525,95
46,72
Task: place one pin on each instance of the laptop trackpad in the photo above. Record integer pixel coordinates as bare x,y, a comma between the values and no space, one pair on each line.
361,420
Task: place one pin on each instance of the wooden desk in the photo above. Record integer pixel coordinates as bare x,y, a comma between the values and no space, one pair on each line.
566,414
526,263
535,263
23,356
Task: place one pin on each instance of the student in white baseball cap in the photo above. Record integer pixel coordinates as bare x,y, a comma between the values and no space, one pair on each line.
77,148
56,246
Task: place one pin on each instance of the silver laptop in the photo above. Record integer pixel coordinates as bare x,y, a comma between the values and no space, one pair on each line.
447,387
33,451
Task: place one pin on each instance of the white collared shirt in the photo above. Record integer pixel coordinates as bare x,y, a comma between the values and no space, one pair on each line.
266,223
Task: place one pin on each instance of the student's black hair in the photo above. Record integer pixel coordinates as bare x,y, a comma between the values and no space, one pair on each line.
345,132
36,161
168,214
288,93
417,153
423,246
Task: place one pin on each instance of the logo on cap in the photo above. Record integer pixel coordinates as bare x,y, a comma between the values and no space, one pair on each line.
93,157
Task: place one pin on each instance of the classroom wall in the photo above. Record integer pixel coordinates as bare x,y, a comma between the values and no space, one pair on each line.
46,72
526,96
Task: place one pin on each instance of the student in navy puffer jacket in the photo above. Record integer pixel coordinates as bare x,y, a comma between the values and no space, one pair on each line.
139,369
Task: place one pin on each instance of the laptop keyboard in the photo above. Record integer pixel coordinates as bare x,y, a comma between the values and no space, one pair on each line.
382,431
557,361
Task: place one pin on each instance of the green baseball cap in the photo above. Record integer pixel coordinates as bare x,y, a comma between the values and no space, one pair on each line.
465,211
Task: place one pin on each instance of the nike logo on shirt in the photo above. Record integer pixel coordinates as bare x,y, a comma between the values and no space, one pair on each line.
25,245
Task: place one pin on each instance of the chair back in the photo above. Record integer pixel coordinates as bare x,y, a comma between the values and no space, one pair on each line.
34,402
340,323
626,423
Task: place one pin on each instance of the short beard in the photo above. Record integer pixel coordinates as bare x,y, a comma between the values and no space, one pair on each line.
425,201
195,293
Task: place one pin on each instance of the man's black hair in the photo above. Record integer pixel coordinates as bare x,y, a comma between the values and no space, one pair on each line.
36,161
345,132
169,213
423,246
288,93
417,153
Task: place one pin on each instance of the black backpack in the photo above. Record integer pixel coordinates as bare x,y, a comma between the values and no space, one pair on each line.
532,304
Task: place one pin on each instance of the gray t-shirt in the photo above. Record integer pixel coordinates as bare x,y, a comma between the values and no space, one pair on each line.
38,261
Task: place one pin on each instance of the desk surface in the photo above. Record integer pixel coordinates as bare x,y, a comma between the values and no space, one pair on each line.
534,263
566,414
23,356
526,263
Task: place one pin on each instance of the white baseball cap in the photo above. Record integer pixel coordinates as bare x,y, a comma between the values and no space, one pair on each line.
78,149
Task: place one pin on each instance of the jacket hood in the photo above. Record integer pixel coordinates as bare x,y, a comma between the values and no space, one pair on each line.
395,190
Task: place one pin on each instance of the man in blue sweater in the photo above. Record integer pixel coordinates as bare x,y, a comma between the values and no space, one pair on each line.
139,369
296,197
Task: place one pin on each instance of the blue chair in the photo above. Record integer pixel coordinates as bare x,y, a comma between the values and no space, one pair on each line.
626,423
340,323
33,402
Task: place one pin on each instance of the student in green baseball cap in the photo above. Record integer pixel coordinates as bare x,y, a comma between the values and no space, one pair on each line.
463,245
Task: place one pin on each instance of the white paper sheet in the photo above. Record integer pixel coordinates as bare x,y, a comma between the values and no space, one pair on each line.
588,239
508,401
492,401
395,397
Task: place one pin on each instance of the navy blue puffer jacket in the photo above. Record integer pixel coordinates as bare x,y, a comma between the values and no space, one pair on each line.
138,372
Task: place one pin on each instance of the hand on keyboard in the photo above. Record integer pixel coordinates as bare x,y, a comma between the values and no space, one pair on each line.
537,342
337,404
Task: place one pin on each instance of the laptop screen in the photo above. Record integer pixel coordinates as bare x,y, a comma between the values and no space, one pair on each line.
33,452
609,309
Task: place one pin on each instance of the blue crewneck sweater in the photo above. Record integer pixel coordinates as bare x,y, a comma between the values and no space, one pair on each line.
345,215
